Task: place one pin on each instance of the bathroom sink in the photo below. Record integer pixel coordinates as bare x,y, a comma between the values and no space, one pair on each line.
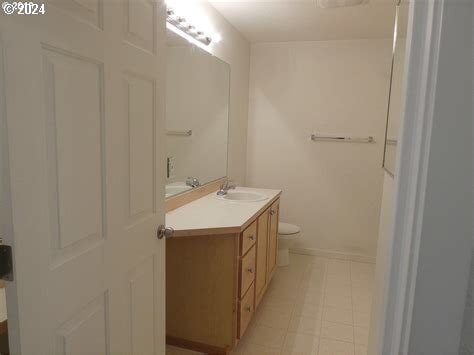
243,196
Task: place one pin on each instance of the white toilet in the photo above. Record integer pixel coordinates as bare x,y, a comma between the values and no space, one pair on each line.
287,234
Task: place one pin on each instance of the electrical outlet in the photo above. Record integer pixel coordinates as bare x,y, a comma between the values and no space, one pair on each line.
171,167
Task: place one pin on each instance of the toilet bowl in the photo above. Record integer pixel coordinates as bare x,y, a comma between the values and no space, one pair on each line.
287,234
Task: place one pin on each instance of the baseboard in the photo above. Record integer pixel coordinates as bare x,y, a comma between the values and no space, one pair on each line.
334,255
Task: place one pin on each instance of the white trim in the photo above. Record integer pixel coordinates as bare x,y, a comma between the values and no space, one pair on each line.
420,87
334,255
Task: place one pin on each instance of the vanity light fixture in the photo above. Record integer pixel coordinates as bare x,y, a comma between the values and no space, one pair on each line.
182,25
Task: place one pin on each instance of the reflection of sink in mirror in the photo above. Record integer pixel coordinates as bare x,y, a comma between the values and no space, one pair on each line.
242,196
176,188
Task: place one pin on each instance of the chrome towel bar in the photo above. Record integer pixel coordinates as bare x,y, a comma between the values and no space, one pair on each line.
316,137
179,133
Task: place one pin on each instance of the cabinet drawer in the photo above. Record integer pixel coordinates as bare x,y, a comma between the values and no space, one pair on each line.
248,238
246,310
247,271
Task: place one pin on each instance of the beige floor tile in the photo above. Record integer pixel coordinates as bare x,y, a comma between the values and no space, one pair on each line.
313,295
246,348
337,300
338,267
361,335
361,319
265,336
308,310
337,331
286,292
313,304
282,305
362,305
297,343
359,277
305,325
313,279
366,284
360,350
334,283
334,347
337,315
276,301
363,267
341,279
361,293
284,281
273,317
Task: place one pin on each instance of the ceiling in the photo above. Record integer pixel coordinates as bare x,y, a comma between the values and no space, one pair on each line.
303,20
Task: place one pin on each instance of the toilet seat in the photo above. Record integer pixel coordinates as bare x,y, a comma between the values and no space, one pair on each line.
285,229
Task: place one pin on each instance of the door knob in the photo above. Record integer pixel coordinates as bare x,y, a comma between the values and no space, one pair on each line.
164,232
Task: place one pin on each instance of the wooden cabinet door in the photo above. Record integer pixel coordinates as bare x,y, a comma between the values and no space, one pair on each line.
262,247
273,236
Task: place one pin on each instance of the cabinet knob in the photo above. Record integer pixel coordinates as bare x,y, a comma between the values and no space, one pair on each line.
250,270
272,211
248,309
252,237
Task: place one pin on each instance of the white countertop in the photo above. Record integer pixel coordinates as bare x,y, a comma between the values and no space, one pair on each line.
211,215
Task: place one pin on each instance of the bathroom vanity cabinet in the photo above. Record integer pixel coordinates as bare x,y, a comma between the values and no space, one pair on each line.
217,276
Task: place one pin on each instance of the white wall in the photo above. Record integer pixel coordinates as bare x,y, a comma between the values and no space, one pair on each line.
332,190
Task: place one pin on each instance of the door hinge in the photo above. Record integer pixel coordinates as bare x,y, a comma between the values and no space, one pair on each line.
6,263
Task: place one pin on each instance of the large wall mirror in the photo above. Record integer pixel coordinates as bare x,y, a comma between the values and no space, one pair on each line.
197,116
394,114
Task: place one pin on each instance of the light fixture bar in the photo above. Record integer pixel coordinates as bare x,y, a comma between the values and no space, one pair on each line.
181,24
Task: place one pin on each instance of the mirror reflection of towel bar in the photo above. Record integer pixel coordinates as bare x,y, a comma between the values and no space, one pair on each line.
369,139
179,133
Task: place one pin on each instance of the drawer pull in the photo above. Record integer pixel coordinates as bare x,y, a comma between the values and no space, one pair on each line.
272,212
248,309
250,270
252,237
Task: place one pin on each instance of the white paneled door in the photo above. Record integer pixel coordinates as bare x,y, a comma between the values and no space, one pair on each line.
83,101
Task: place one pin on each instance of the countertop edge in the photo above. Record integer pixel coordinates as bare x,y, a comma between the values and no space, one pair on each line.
224,230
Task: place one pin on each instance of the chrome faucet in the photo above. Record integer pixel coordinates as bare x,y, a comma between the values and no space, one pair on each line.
225,187
193,182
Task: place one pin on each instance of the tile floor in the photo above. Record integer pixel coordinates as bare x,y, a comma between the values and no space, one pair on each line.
315,306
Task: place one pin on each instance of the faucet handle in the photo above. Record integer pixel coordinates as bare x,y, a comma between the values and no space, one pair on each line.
230,185
192,181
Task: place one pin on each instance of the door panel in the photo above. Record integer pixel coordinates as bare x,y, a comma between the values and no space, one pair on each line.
262,248
74,148
85,119
140,24
88,11
86,332
273,236
141,138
